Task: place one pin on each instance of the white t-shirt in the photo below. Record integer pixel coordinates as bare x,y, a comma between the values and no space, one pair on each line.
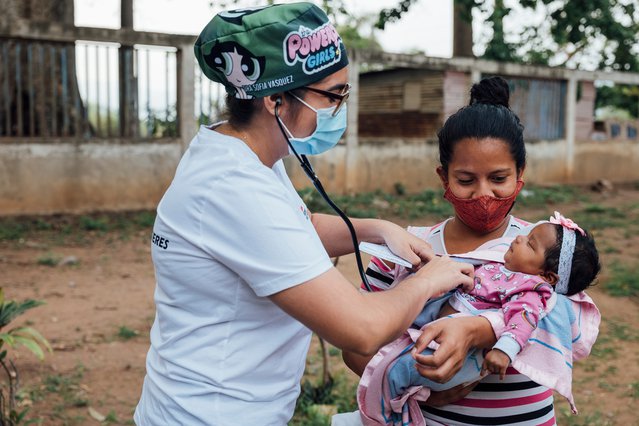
229,232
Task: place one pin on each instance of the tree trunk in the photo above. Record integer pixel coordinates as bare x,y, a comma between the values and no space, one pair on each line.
462,31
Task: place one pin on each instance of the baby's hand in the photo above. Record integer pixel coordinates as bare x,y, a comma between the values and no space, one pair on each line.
496,361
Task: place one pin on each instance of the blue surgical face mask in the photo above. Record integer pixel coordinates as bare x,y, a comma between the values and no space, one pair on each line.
328,131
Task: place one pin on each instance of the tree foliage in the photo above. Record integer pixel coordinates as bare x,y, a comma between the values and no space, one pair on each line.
351,27
586,34
620,97
577,31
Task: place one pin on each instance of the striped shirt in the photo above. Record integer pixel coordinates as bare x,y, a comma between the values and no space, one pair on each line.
516,400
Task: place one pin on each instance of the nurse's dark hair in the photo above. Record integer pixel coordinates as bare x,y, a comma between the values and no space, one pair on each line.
240,112
486,116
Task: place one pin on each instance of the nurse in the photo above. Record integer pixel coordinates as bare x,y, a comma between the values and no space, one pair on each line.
243,269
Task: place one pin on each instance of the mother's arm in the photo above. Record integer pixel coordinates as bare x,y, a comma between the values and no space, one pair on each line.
456,336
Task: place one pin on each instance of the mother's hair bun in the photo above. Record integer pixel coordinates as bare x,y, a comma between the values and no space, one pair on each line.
491,90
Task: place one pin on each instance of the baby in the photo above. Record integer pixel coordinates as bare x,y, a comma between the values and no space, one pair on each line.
555,257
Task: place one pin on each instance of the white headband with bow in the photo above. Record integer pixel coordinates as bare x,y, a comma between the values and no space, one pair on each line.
567,249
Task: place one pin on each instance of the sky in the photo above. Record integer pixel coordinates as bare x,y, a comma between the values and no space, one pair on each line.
426,27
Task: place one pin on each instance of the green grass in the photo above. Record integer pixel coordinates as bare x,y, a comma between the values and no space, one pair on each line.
610,250
634,390
566,418
144,219
381,204
604,347
542,196
126,333
12,230
621,331
64,229
623,281
339,393
595,216
614,336
111,417
88,223
49,259
426,203
66,392
431,203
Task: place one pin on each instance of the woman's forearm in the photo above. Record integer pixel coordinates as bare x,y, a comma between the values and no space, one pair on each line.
362,323
484,335
350,320
336,237
357,363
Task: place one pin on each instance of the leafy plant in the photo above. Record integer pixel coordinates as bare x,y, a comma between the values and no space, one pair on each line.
15,337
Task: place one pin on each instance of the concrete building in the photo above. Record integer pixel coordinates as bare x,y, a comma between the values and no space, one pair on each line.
70,141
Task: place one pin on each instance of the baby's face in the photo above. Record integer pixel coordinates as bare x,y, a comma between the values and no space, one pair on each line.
528,252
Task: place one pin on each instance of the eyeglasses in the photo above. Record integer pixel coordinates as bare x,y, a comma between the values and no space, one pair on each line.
339,97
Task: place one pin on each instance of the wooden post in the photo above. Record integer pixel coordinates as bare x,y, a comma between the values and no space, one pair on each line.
187,124
462,31
571,121
352,141
126,77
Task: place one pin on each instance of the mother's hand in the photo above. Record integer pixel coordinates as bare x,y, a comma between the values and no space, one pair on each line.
448,396
456,337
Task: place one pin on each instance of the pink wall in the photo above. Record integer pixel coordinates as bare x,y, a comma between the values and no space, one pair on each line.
456,87
585,111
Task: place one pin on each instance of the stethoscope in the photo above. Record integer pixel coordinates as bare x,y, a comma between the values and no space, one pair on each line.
308,169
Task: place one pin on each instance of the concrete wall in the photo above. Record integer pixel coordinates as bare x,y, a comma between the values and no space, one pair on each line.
68,178
615,161
382,164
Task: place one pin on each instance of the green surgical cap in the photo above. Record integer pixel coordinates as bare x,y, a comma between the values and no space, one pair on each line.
256,52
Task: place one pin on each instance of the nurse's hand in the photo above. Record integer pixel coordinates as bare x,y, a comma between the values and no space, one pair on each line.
406,245
442,274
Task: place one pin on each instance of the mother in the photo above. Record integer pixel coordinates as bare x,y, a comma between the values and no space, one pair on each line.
243,270
483,157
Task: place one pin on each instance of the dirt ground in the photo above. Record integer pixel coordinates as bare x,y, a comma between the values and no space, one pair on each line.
99,311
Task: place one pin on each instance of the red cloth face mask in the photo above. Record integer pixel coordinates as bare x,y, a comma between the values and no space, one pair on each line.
485,213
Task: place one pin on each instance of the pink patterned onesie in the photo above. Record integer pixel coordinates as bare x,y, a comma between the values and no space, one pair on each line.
522,298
